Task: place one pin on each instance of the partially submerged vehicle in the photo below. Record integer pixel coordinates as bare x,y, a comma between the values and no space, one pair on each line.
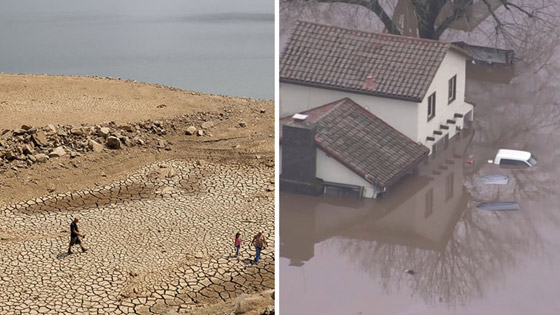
499,206
514,158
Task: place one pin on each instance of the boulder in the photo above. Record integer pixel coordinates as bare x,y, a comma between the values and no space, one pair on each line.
191,130
41,157
26,127
200,133
59,151
40,138
113,143
242,124
20,131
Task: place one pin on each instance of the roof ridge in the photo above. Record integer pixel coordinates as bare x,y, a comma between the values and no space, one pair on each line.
443,43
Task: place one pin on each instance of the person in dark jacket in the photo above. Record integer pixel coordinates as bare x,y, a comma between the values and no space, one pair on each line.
75,236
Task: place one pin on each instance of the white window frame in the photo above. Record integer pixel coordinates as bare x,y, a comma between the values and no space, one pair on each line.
452,90
432,106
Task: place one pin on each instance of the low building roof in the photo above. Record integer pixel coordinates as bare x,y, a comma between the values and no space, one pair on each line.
363,62
362,141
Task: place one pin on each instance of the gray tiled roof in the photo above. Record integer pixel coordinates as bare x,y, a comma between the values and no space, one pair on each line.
362,141
339,58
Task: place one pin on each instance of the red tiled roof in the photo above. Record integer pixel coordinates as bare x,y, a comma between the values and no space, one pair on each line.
333,57
362,141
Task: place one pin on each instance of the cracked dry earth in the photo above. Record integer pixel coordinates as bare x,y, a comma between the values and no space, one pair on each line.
160,242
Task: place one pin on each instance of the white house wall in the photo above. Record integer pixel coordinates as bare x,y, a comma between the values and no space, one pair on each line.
452,64
408,117
331,170
428,227
401,115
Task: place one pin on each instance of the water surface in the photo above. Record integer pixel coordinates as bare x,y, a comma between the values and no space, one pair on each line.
221,46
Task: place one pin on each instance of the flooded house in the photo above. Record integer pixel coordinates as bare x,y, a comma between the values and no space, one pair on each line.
422,212
417,86
352,151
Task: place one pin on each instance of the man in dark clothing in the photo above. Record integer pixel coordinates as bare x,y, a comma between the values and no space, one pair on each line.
75,236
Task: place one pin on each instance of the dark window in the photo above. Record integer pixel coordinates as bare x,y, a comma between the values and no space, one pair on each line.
452,89
432,106
449,187
429,203
512,162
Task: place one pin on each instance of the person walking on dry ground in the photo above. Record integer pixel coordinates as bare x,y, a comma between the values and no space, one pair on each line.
75,236
260,243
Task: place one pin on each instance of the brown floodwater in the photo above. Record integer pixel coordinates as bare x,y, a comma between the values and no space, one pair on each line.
425,248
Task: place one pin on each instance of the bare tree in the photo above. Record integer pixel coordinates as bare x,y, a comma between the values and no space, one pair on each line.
507,21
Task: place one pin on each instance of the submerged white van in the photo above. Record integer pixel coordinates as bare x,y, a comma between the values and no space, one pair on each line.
514,158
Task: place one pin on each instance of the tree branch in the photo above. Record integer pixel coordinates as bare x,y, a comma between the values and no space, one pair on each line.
498,21
458,13
507,4
375,7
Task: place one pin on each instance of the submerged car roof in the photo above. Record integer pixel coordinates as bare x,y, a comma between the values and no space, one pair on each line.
513,154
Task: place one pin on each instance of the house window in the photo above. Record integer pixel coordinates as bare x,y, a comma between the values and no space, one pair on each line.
432,106
449,187
429,203
452,89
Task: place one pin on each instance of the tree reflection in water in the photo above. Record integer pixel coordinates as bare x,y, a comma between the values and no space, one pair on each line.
483,246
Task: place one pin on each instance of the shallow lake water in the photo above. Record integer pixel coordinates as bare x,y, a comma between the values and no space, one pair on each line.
425,248
220,47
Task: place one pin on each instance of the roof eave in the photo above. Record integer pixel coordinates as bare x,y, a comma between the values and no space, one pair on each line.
356,91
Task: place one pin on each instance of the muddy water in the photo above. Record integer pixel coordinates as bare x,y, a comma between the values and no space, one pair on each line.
426,248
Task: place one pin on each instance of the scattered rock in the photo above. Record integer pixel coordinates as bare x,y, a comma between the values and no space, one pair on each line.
242,124
40,138
127,127
113,143
104,132
138,140
95,146
58,152
27,149
207,125
50,129
42,158
191,130
77,131
255,304
9,155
